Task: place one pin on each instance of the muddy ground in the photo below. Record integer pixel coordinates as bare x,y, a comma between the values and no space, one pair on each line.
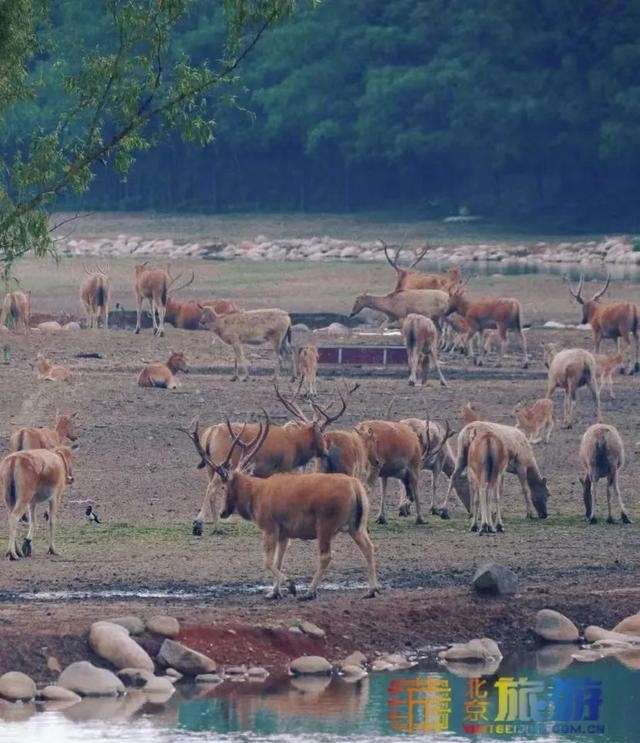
138,471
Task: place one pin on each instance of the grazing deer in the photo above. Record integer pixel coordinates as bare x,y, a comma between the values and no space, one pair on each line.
602,455
606,366
421,341
187,315
286,506
569,370
488,458
535,420
16,308
617,320
522,462
432,303
437,457
253,327
95,292
284,449
487,313
468,413
409,279
153,284
51,372
162,375
28,478
45,438
308,369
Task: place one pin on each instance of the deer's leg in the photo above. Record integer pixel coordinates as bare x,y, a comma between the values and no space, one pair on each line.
499,525
381,518
525,353
593,386
242,369
270,548
53,515
434,358
592,514
12,547
324,558
526,492
616,489
138,312
365,545
413,368
474,488
411,490
162,310
502,346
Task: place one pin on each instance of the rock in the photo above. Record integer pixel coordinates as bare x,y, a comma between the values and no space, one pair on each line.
553,626
159,685
88,681
629,625
134,625
312,630
55,693
587,656
473,669
236,671
295,629
208,678
607,637
135,677
73,326
188,662
629,658
398,661
380,665
164,626
483,649
355,659
495,579
17,686
257,673
49,326
310,665
353,672
337,329
53,664
173,673
112,643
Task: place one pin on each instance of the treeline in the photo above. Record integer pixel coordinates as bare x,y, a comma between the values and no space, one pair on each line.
524,109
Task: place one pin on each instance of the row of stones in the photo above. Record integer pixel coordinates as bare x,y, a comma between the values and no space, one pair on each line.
609,250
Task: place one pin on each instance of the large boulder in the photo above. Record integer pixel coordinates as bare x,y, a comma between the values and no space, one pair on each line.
480,650
134,625
163,625
112,643
55,693
189,662
88,681
607,637
17,686
629,625
553,626
495,579
310,665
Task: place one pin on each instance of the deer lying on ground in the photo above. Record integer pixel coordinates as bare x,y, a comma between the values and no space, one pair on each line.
187,315
522,462
437,457
504,314
16,310
284,449
51,372
28,478
45,438
606,366
617,320
409,279
602,455
468,413
535,420
95,292
421,341
432,303
308,369
162,375
569,370
286,506
253,327
488,458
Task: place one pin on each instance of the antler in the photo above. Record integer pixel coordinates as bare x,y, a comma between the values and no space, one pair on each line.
576,295
253,447
449,432
291,406
344,399
103,271
419,256
597,295
183,286
392,262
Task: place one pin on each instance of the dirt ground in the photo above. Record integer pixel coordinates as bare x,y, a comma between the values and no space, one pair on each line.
139,473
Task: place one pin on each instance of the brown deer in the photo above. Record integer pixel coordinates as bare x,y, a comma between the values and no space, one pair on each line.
421,341
253,327
505,314
95,292
617,320
163,375
468,413
28,478
51,372
308,357
606,366
601,455
286,506
187,315
153,284
16,310
62,431
348,455
570,369
433,303
409,279
535,419
284,449
487,463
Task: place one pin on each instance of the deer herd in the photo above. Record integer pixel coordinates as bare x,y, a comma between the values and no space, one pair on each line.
307,479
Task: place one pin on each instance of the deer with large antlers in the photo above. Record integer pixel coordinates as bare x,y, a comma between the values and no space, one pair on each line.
153,284
432,303
284,449
407,278
95,292
287,506
616,320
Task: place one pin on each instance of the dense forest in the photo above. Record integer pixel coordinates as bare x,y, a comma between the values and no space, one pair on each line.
525,110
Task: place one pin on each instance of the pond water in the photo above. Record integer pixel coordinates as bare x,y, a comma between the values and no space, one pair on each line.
533,698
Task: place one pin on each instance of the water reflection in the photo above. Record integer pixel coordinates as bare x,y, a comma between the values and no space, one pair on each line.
541,696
